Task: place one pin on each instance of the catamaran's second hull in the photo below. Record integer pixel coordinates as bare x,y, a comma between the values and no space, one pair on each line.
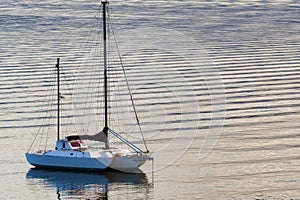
66,161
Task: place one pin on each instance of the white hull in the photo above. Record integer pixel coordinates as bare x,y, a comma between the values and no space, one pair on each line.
125,163
69,159
88,160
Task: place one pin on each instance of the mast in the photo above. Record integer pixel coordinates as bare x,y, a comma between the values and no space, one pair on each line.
58,98
105,130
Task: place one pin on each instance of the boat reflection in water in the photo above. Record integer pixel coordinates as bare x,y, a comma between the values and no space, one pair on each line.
89,185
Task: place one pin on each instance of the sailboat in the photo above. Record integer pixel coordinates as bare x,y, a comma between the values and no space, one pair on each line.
73,153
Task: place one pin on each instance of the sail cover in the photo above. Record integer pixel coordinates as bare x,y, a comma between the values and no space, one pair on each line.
100,137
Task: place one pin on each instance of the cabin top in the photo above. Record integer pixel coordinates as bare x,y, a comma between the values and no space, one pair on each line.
72,142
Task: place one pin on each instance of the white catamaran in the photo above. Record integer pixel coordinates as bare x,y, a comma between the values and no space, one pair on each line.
73,153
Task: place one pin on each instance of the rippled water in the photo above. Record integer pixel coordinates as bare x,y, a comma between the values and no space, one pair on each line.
216,85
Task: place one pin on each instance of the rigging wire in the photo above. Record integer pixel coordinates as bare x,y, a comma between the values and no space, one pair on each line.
128,87
52,104
39,140
117,120
114,73
83,93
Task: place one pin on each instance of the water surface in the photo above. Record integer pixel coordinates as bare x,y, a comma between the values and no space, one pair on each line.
206,75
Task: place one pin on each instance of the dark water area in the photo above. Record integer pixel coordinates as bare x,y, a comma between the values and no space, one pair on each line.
215,83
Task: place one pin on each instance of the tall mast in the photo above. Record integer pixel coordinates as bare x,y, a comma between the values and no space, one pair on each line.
105,130
58,98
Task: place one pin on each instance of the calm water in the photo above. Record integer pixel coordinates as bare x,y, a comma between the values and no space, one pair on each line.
216,85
